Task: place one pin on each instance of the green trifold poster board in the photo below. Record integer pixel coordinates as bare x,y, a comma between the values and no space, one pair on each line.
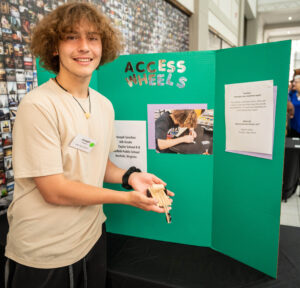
226,201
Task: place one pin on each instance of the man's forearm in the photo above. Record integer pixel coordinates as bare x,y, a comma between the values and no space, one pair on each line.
76,193
113,174
59,190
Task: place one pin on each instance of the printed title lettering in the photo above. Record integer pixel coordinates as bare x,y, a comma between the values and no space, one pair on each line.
158,73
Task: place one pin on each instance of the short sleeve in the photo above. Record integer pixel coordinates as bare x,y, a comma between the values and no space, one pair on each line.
36,141
113,141
161,128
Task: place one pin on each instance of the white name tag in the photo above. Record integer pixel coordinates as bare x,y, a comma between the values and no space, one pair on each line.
83,143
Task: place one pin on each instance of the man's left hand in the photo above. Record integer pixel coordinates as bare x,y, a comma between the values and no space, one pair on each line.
140,181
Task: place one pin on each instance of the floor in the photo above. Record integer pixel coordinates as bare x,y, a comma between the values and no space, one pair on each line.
290,211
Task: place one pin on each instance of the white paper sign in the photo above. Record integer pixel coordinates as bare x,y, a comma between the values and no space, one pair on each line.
249,116
131,140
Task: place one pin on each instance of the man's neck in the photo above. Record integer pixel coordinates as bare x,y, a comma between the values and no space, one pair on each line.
76,86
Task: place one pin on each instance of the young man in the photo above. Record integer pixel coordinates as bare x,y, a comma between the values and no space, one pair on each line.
56,234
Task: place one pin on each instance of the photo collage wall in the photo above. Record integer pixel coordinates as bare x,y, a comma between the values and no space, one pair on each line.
147,26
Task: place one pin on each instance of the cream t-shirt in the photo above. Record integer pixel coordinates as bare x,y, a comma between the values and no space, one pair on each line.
44,235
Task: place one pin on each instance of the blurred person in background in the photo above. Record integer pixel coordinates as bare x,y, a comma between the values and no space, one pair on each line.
294,108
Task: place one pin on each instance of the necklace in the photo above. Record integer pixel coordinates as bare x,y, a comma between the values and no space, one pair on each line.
87,114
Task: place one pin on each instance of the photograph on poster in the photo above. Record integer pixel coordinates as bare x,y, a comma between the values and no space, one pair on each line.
18,61
28,65
20,75
4,114
2,66
10,187
9,176
17,36
1,47
25,29
18,50
3,87
10,74
6,139
29,86
8,49
6,34
2,75
5,23
5,126
27,58
12,88
8,163
3,101
23,11
21,87
4,7
29,75
15,23
3,190
9,62
7,151
181,129
13,100
14,11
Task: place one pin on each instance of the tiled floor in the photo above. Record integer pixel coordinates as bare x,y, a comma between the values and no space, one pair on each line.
290,211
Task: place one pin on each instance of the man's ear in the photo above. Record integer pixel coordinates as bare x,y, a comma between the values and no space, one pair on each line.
55,53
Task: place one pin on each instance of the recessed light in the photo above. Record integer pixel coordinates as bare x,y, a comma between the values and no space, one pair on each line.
288,32
290,18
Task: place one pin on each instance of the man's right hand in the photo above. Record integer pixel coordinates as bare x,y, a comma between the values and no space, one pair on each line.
143,202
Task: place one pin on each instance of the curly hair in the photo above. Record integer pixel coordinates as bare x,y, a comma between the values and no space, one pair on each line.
186,118
54,27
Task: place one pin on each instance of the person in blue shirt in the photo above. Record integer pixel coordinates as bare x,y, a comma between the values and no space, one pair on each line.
292,90
295,100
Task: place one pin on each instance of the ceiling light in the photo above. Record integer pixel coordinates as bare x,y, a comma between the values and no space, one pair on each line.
288,32
290,18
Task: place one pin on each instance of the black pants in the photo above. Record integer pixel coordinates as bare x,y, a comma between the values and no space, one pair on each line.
293,133
89,272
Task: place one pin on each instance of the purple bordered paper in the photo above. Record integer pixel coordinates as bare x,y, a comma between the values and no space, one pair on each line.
151,123
262,155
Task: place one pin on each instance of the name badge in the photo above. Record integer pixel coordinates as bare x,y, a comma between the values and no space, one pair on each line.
83,143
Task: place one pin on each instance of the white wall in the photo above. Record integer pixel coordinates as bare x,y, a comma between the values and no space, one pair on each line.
250,9
188,4
198,36
223,17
